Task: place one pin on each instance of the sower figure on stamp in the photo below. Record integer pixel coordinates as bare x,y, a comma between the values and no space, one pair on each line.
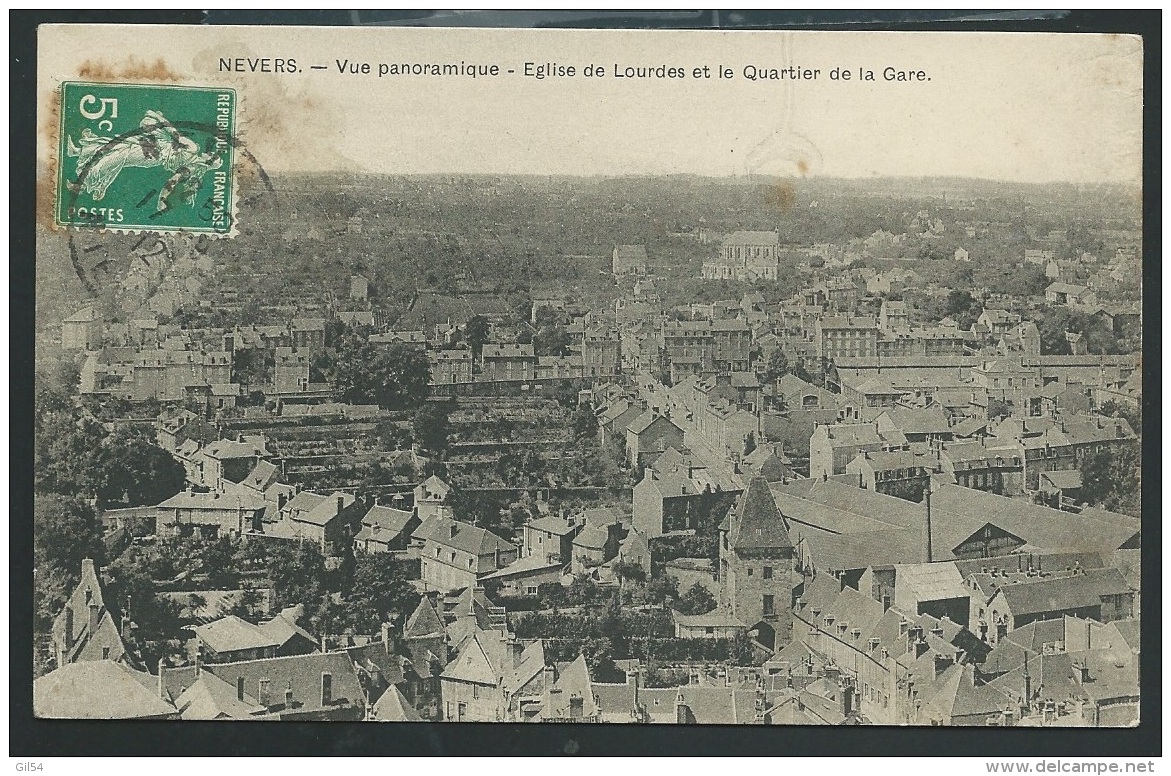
159,144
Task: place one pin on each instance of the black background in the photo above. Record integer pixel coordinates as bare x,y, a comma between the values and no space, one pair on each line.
31,738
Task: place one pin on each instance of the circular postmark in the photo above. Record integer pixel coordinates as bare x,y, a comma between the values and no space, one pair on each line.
100,239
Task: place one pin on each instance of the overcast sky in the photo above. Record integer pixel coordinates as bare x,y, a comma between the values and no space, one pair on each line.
1037,108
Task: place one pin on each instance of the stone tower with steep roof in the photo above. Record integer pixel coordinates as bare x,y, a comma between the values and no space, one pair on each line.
757,575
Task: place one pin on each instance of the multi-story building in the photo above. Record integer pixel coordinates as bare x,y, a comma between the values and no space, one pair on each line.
455,555
847,337
832,447
291,371
507,362
731,345
450,366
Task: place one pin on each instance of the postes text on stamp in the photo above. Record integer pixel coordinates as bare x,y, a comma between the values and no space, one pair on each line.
146,158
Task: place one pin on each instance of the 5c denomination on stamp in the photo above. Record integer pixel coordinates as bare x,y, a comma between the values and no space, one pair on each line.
140,158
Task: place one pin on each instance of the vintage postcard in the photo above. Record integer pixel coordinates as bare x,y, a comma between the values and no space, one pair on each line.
683,377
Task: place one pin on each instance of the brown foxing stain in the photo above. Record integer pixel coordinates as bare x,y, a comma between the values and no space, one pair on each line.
803,167
133,69
782,196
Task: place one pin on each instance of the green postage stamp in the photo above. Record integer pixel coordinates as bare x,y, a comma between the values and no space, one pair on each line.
146,158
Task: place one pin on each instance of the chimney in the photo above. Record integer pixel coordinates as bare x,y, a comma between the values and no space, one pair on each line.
240,688
547,676
289,695
162,689
93,619
341,503
262,694
198,667
326,688
576,706
385,627
68,624
682,712
633,680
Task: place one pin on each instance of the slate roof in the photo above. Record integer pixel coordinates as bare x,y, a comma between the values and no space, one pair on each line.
1055,594
283,627
232,634
97,689
300,672
393,707
327,509
212,697
388,519
915,421
523,565
556,526
424,621
756,522
262,476
749,237
468,538
305,501
958,512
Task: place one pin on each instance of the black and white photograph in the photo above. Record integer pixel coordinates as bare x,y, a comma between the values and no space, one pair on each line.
671,377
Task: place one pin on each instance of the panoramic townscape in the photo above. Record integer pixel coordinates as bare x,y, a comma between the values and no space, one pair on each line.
682,450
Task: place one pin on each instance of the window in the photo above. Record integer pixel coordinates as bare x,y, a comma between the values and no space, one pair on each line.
105,653
768,572
767,605
749,571
475,691
463,711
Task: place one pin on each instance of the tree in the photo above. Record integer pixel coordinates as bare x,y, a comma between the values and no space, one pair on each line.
134,470
431,428
697,600
394,377
551,340
1110,479
476,332
778,366
66,453
585,425
296,573
629,572
65,531
379,592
